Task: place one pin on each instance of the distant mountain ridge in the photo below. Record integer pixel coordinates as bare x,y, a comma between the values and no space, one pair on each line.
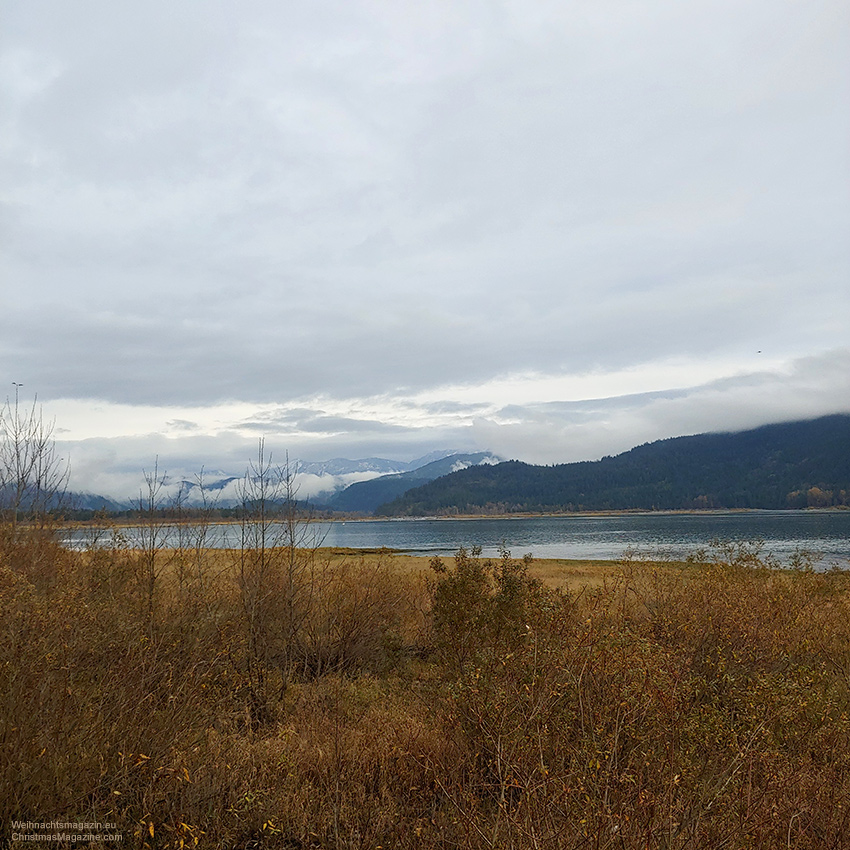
92,502
221,489
344,466
380,465
787,465
365,496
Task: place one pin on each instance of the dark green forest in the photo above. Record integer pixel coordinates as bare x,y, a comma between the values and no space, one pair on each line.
787,465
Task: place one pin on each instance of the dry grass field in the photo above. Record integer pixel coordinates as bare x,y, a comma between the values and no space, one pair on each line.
277,697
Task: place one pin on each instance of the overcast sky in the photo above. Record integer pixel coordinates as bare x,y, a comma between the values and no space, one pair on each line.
549,229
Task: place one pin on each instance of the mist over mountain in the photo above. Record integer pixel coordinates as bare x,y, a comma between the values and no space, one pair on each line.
376,465
788,465
366,496
344,466
316,482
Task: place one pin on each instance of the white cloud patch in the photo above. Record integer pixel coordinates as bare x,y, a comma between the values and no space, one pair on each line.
458,465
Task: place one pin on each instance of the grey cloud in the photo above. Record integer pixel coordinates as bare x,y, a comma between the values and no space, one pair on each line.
212,201
182,425
455,407
582,410
319,424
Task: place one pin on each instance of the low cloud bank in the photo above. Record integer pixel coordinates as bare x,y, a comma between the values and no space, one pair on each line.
562,432
546,432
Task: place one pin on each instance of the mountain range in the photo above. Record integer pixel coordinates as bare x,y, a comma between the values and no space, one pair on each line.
787,465
317,482
366,496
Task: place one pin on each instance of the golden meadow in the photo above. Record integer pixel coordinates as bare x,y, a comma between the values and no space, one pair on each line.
282,695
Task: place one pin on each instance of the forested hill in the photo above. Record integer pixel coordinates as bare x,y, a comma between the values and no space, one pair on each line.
790,465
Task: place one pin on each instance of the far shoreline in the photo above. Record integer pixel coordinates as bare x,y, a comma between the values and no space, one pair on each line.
132,522
606,513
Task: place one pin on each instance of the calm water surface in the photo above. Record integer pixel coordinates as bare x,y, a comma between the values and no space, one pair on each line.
604,537
825,533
